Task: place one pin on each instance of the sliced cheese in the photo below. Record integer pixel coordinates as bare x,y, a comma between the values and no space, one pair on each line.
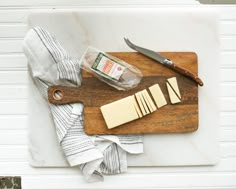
173,96
149,101
144,103
157,95
173,82
137,107
119,112
140,104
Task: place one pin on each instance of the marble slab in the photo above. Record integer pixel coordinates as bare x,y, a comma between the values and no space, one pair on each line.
160,29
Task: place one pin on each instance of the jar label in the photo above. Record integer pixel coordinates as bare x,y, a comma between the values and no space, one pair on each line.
108,66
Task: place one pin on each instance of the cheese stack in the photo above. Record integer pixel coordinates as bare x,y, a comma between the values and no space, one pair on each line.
133,107
140,104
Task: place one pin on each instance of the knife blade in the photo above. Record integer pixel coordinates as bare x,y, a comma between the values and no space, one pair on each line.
164,60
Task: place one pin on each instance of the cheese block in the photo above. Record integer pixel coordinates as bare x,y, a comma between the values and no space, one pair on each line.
157,95
149,101
173,90
119,112
140,104
143,102
137,107
173,82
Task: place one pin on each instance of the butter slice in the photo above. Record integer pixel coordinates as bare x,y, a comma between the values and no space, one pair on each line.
119,112
173,90
157,95
149,101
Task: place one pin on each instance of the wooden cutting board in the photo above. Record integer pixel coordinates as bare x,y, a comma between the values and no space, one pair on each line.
177,118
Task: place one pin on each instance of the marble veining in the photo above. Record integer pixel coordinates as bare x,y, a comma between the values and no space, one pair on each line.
162,29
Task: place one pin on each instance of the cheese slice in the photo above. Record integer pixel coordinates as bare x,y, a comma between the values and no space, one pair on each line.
173,96
144,103
119,112
137,107
157,95
140,104
149,101
173,82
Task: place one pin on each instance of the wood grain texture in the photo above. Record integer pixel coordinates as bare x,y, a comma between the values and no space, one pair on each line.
182,117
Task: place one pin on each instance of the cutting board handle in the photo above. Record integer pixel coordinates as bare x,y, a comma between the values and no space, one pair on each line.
62,95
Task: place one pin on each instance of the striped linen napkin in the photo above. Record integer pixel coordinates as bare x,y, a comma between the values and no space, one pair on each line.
96,155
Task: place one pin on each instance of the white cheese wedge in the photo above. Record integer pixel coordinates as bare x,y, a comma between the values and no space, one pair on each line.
173,82
144,103
119,112
149,101
173,96
157,95
137,107
140,103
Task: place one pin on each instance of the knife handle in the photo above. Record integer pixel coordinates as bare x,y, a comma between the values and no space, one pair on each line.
186,73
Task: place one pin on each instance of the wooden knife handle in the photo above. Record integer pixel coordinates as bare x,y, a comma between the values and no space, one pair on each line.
63,95
186,73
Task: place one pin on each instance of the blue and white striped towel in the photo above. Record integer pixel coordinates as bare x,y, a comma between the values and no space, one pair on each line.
50,64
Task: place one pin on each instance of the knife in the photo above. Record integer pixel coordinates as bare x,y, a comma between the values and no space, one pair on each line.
164,60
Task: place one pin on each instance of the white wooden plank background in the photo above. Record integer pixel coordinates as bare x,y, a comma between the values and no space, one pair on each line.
13,109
